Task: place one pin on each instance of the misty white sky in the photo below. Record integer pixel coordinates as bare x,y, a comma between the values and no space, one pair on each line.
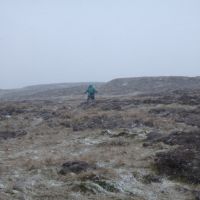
47,41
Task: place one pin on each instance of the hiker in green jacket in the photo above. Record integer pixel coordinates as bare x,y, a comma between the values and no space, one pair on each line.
91,91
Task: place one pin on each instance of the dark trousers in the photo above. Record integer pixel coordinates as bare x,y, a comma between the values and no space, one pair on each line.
91,97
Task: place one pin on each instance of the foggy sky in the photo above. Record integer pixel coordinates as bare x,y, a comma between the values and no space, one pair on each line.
48,41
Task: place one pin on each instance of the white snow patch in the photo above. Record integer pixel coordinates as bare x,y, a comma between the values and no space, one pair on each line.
124,84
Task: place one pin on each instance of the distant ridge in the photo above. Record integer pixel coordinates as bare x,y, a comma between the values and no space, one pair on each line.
122,86
46,91
119,86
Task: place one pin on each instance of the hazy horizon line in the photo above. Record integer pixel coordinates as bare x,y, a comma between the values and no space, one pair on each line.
88,82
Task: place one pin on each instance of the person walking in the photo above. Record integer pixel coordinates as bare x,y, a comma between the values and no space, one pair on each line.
91,91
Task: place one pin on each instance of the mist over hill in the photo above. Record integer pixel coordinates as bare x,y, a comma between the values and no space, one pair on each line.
45,91
119,86
150,85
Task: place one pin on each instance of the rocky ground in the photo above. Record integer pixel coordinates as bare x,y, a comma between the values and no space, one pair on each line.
121,148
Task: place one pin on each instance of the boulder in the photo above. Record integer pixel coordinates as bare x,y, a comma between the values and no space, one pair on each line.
75,167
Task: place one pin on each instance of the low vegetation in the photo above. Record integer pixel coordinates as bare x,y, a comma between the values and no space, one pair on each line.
121,148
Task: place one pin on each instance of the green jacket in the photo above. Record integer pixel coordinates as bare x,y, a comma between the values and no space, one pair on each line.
91,90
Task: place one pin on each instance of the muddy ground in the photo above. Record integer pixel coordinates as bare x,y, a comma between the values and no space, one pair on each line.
121,148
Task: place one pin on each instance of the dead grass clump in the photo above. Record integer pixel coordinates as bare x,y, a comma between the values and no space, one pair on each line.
120,163
89,158
164,124
31,164
98,174
115,142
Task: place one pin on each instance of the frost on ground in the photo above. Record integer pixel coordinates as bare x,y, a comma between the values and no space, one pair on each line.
117,148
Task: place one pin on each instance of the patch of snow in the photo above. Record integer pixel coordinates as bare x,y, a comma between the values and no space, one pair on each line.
37,121
129,184
54,183
124,84
89,141
2,185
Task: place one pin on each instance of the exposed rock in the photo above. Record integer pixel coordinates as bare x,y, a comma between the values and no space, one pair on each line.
75,167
